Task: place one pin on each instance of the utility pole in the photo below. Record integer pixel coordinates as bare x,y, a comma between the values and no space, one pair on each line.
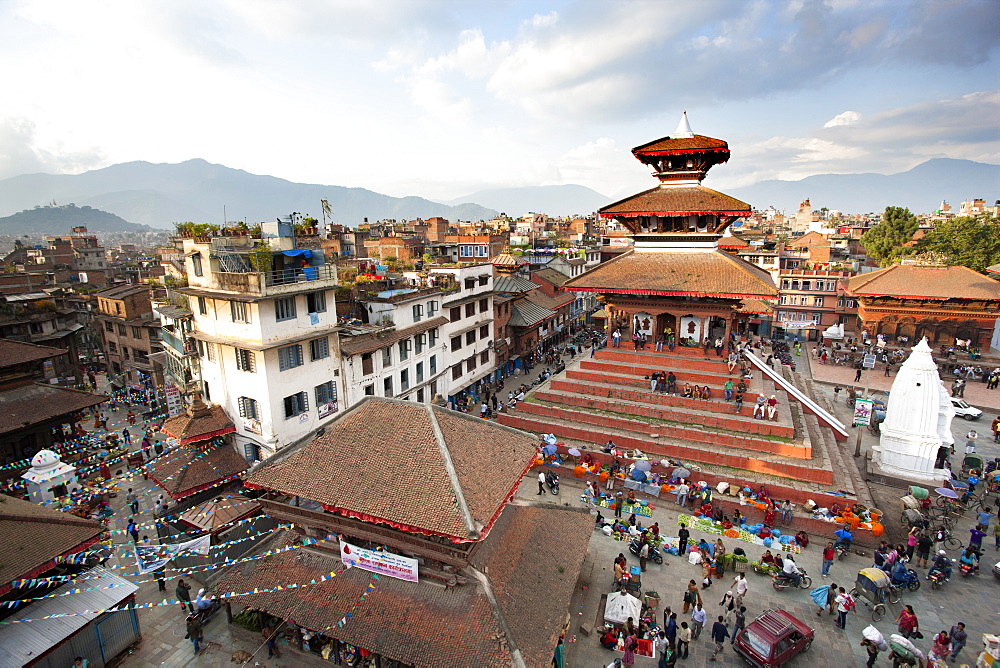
868,364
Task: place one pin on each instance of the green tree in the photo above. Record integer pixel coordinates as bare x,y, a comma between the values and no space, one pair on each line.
886,241
966,241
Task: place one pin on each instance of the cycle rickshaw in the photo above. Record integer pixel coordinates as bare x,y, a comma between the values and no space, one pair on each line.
874,589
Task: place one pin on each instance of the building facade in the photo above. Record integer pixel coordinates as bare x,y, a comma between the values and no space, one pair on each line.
130,334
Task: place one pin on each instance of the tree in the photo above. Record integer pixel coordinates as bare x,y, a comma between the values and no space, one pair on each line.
886,242
966,241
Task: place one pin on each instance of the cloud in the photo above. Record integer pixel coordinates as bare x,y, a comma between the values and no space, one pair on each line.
845,118
20,152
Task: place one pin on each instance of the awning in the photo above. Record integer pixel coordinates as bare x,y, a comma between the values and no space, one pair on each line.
301,252
21,644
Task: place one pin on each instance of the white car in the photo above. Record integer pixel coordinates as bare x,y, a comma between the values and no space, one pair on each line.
964,410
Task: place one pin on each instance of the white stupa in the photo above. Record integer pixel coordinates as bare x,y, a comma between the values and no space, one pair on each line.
49,478
917,421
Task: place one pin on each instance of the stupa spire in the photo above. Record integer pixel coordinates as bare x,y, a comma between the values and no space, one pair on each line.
683,130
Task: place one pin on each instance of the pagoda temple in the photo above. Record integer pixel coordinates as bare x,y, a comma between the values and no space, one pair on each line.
676,276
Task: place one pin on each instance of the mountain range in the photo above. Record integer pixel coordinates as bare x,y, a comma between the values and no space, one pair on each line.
62,219
920,189
161,194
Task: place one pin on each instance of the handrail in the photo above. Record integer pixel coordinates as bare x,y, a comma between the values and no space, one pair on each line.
821,412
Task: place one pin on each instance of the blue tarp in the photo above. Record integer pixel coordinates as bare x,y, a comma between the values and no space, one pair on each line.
303,252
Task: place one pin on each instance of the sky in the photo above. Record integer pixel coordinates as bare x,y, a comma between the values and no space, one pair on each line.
443,98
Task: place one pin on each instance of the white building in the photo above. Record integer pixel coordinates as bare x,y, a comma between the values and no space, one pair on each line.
266,339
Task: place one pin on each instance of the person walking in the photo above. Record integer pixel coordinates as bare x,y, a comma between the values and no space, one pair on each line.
872,650
183,593
194,633
671,628
740,587
683,640
911,542
133,530
940,646
127,437
924,544
844,605
698,619
682,493
133,501
643,556
270,635
619,502
682,541
628,658
691,596
541,482
907,622
958,637
829,554
720,634
161,583
741,619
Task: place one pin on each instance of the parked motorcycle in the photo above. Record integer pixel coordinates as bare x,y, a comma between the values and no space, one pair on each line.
552,480
654,554
784,581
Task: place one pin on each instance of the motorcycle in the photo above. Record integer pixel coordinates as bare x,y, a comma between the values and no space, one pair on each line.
937,578
654,554
204,614
910,579
841,549
784,581
968,569
552,480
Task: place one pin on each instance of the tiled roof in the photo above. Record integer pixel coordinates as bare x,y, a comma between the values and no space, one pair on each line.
513,284
384,459
713,273
36,402
186,470
666,145
367,343
755,306
526,313
675,201
505,259
556,278
219,512
531,560
924,282
204,426
15,352
31,535
733,242
122,291
555,303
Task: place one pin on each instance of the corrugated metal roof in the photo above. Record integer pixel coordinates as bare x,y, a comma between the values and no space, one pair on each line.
21,643
513,284
525,313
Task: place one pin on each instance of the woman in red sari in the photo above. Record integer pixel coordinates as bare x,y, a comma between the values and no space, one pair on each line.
769,515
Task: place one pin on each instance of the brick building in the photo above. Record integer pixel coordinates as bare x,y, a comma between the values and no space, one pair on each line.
131,333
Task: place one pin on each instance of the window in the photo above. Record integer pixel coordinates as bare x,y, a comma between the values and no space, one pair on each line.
202,306
248,408
367,365
316,302
470,364
432,337
831,286
196,261
124,352
404,349
470,309
420,395
121,330
484,280
418,312
289,357
387,387
420,372
817,301
404,380
456,343
455,314
369,390
484,357
807,285
470,283
296,404
456,371
387,356
319,348
481,251
484,332
470,337
245,360
109,326
783,299
433,364
326,393
484,305
284,309
432,308
418,343
784,284
210,352
137,333
208,392
239,311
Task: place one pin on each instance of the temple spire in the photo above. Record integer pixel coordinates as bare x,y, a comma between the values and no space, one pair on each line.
683,129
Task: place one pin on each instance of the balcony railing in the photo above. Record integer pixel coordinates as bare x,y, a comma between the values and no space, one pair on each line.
299,275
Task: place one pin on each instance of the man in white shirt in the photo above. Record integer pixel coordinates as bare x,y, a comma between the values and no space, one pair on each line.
740,587
541,482
682,494
698,617
791,570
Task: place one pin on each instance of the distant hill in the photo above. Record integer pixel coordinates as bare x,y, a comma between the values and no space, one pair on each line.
563,200
920,189
196,190
62,219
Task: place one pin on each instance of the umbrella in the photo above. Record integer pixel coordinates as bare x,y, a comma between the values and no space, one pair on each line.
638,475
680,472
574,452
643,465
549,449
944,491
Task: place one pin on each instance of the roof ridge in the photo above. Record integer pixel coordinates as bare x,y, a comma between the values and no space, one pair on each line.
449,467
66,519
517,660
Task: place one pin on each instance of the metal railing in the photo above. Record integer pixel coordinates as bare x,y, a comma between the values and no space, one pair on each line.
324,272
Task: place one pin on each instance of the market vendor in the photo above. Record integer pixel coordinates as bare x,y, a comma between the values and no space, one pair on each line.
767,558
630,497
586,459
610,639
